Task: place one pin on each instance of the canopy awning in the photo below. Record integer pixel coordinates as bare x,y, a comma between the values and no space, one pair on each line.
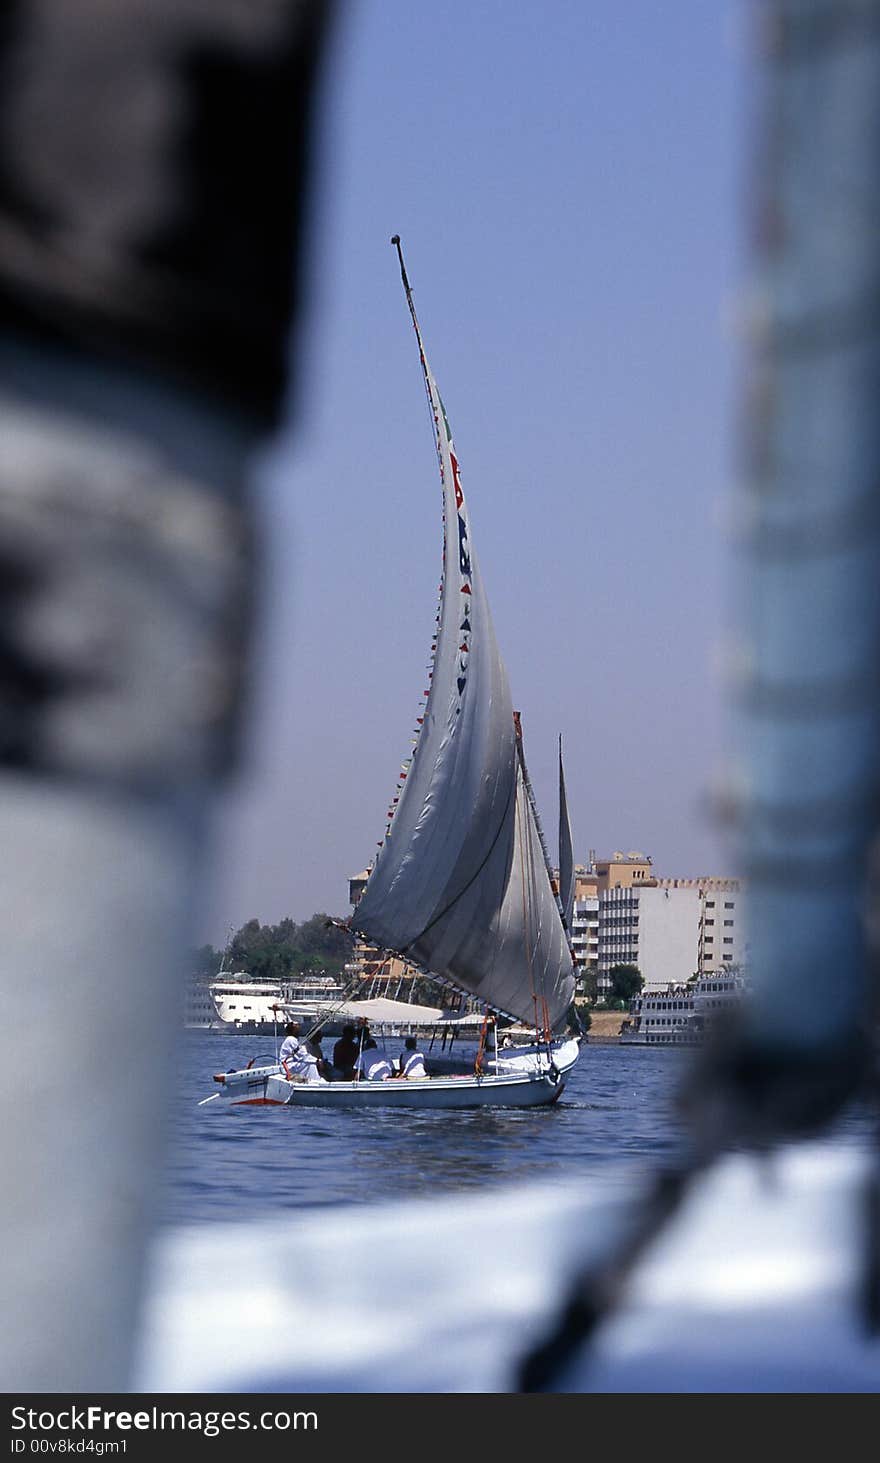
381,1010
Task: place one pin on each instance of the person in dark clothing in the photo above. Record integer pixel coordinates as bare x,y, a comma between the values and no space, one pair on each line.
345,1054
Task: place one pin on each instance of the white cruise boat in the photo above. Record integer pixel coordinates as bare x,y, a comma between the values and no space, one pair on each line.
239,1004
200,1009
680,1015
246,1005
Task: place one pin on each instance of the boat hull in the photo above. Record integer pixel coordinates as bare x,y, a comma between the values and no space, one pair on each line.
532,1058
267,1087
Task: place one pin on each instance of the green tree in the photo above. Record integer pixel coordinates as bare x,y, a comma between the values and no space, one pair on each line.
626,982
428,992
203,962
584,1016
287,950
588,984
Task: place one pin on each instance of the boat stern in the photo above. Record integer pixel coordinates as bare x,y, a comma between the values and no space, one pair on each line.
254,1086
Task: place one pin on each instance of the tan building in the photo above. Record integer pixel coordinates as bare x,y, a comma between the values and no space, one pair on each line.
380,975
623,871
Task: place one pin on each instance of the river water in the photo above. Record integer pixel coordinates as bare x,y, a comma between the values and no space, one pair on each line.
238,1179
618,1108
233,1162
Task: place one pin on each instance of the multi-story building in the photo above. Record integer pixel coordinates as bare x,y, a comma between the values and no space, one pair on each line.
671,928
723,933
619,916
585,920
667,928
378,974
622,871
623,915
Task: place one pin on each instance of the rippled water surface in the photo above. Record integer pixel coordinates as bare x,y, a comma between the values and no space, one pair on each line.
229,1163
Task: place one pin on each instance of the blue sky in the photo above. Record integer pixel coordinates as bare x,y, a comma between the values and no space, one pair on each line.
569,182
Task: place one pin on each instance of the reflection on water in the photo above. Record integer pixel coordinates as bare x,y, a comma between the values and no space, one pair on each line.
235,1163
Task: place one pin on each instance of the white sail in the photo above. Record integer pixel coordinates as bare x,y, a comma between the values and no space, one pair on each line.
530,954
442,892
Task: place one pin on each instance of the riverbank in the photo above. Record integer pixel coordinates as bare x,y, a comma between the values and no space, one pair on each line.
605,1026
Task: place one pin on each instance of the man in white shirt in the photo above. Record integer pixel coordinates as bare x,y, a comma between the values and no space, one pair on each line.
372,1064
412,1061
291,1043
300,1063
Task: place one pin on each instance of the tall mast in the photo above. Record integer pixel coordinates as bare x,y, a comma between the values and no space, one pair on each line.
566,852
409,299
415,320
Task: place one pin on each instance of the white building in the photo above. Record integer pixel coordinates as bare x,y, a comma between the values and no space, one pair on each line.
724,934
671,929
669,934
585,919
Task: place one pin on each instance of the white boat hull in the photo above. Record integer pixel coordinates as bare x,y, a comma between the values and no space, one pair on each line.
268,1087
534,1057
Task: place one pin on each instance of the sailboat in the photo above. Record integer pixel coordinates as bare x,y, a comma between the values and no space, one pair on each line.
461,886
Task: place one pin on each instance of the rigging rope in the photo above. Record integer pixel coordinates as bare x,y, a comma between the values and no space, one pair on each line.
542,1020
333,1010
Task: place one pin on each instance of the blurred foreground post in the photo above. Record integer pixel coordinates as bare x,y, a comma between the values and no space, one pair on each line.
153,169
809,694
808,699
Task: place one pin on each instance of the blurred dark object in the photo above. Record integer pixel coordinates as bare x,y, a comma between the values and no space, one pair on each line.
153,191
153,204
153,171
806,796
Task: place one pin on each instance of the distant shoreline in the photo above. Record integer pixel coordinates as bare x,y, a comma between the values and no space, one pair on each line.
605,1027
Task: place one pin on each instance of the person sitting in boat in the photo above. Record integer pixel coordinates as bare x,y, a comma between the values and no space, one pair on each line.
345,1054
373,1064
291,1043
300,1060
412,1061
313,1046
